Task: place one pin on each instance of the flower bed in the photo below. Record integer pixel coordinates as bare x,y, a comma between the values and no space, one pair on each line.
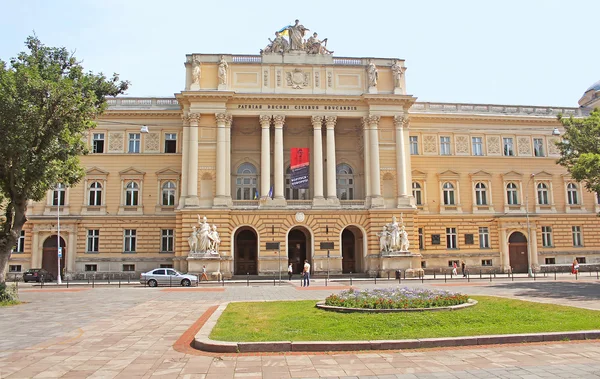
395,298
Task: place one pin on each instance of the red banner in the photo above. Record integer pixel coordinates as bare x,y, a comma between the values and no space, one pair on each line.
300,167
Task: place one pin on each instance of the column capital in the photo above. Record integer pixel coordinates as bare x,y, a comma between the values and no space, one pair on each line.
330,121
223,118
317,121
372,119
192,118
279,119
401,121
265,120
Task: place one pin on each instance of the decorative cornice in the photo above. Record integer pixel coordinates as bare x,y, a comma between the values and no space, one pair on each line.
494,109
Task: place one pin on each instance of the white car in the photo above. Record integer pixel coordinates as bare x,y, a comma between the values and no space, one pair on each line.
167,277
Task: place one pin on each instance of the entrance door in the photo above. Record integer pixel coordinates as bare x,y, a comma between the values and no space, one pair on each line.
348,252
297,249
517,252
246,252
50,255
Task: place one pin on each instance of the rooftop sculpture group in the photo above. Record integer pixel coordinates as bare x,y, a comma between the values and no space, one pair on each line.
296,42
204,239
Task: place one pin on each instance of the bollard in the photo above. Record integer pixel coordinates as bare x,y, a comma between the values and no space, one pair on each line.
534,276
247,279
93,279
273,281
108,278
67,282
512,276
422,278
326,281
222,282
554,275
434,275
388,275
597,277
400,277
576,274
490,277
88,278
119,282
42,281
480,274
444,277
468,277
128,278
350,281
375,278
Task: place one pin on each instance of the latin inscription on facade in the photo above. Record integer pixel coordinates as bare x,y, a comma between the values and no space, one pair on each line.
298,107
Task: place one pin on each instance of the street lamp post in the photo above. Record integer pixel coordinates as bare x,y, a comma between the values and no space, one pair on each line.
529,258
59,250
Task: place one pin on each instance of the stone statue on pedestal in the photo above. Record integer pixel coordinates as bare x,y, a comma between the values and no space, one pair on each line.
205,239
372,74
393,237
196,72
223,71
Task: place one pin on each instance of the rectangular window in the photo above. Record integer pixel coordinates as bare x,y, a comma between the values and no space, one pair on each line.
576,231
129,243
452,263
134,142
538,147
451,238
509,150
20,248
93,240
484,238
477,145
423,264
421,239
170,143
58,195
414,145
128,268
486,263
546,236
166,265
91,268
444,145
580,260
550,261
14,268
167,241
98,143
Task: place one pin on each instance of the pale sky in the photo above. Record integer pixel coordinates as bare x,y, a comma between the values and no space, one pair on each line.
525,52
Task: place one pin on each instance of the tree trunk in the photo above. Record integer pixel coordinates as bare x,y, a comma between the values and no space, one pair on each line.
3,262
9,240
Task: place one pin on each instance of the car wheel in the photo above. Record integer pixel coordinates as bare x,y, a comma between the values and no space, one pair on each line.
26,281
186,283
152,283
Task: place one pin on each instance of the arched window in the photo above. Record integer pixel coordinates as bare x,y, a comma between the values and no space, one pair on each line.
245,182
58,195
168,194
480,194
542,192
416,192
95,194
132,194
448,189
512,197
294,193
345,182
572,194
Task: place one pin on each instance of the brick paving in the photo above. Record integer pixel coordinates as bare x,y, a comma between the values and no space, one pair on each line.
132,332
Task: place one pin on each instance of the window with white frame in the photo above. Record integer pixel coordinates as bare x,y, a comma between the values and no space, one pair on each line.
572,194
449,198
128,267
451,238
294,193
542,194
134,142
14,268
414,145
245,182
484,238
481,194
20,248
444,145
576,232
93,241
509,150
132,190
538,147
486,263
547,236
129,240
421,239
512,194
167,242
170,143
95,194
98,143
477,145
345,182
168,194
417,193
59,195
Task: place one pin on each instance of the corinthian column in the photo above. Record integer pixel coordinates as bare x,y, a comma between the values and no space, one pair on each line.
184,161
265,156
317,122
222,199
192,172
228,156
278,164
331,175
400,122
367,160
376,199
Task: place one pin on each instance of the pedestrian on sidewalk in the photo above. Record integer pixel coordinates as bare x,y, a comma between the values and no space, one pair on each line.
575,266
463,269
204,276
454,267
306,274
290,271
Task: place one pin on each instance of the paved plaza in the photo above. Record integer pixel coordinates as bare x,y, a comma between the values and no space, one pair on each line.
132,332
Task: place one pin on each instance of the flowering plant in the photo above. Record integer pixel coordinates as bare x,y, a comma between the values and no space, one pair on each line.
395,298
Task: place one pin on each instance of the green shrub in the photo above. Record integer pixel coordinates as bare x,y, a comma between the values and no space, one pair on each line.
8,294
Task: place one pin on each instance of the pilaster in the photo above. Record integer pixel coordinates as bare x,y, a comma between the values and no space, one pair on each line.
278,174
265,156
222,199
318,198
331,162
192,182
376,198
184,161
403,200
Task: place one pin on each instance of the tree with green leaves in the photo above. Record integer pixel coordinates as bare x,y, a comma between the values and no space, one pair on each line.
580,149
47,104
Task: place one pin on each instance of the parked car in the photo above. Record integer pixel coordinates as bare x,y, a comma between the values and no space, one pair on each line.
167,277
37,275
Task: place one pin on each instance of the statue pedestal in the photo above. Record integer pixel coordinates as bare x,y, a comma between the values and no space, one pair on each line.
196,261
405,261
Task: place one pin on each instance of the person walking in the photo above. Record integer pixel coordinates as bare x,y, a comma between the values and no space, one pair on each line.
306,274
204,276
454,267
575,266
290,272
463,269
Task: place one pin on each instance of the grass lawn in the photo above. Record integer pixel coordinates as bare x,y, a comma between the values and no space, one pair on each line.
302,321
8,303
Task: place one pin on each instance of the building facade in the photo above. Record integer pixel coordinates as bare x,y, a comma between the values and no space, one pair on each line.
472,182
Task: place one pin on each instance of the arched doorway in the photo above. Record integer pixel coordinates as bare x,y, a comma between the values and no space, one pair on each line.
299,249
352,248
517,252
50,255
246,252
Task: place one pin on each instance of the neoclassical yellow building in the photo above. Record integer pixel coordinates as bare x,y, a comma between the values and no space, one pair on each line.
472,182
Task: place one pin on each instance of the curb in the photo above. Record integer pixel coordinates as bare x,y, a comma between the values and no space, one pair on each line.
204,343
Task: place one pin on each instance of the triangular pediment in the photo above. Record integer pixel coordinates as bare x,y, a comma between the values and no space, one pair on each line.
542,175
512,175
167,172
481,174
131,171
416,174
95,171
449,174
